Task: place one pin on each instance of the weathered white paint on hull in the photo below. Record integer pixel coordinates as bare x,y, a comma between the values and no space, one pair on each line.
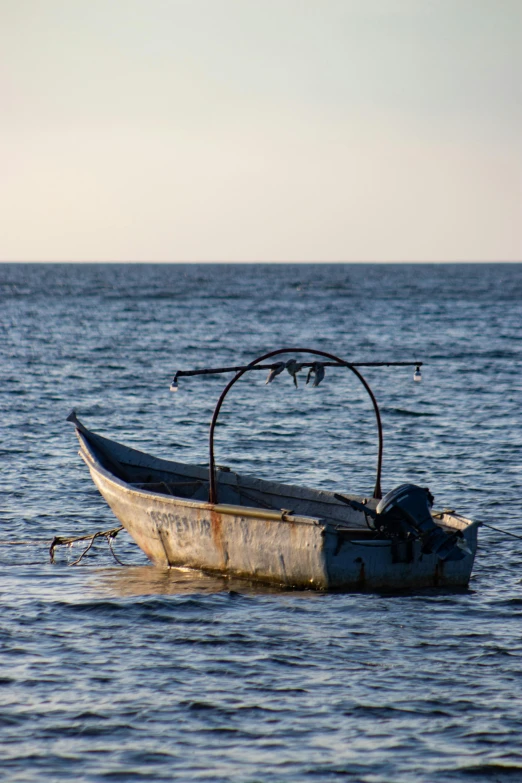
174,532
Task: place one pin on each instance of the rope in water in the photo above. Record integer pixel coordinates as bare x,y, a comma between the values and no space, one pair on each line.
500,530
108,535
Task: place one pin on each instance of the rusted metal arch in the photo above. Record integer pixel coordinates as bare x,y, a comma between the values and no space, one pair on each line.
377,493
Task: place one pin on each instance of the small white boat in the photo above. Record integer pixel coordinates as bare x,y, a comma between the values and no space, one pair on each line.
219,521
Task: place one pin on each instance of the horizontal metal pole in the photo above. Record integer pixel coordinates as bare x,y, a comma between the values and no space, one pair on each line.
216,370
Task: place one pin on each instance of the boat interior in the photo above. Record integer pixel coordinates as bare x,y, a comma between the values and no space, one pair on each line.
191,482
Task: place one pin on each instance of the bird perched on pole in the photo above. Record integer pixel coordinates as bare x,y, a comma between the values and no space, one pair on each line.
276,368
293,368
317,370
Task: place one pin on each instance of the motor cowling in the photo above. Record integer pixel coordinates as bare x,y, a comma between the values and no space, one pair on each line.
406,510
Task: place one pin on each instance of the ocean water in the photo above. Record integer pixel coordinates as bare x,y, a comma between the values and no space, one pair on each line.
113,672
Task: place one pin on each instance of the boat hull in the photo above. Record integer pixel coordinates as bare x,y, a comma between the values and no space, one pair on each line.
272,547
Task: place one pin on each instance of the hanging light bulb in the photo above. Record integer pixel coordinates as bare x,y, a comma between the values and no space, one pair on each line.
417,375
174,384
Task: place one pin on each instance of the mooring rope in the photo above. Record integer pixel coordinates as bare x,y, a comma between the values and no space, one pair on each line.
108,535
500,530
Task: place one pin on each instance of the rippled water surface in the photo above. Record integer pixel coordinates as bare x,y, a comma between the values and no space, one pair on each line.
133,673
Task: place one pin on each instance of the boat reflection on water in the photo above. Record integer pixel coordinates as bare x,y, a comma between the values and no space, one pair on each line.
150,580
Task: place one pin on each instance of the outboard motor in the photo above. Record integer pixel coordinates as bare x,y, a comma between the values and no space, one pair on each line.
408,509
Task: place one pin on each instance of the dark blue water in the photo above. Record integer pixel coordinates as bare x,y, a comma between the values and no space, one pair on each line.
131,673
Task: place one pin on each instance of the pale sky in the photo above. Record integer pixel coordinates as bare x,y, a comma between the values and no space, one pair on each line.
276,130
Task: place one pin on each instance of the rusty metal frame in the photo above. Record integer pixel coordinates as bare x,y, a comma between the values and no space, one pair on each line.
377,493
